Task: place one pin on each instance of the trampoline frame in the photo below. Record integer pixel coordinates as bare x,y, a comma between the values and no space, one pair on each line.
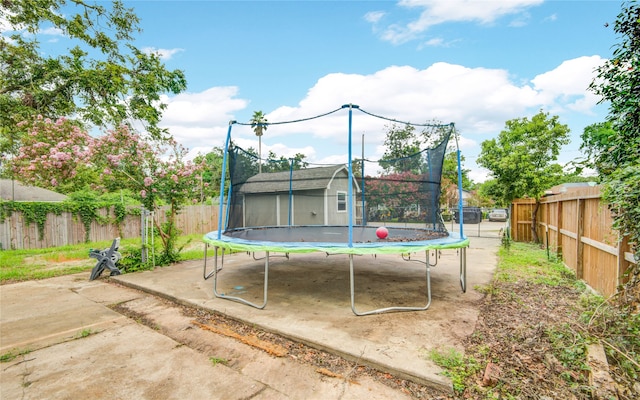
230,243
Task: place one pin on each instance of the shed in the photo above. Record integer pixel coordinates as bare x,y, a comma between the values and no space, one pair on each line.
318,196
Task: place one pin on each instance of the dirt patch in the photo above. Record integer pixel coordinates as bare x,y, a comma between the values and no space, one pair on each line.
527,345
46,263
513,333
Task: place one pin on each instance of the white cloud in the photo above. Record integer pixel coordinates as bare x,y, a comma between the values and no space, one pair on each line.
200,120
212,106
433,42
6,25
520,20
437,12
374,16
477,100
566,85
51,31
479,175
164,54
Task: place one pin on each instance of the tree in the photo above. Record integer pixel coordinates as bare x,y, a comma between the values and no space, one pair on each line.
103,80
156,173
395,191
596,141
54,155
212,171
259,125
278,164
520,159
407,151
449,181
401,142
450,170
615,145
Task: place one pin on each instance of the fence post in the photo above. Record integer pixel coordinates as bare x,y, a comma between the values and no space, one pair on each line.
558,228
623,264
514,221
579,243
143,234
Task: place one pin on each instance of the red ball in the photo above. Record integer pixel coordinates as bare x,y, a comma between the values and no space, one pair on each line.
382,232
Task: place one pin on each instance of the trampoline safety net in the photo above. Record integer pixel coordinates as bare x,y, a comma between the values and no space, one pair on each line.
291,193
291,206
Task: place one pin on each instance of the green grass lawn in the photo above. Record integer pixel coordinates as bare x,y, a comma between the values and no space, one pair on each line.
22,265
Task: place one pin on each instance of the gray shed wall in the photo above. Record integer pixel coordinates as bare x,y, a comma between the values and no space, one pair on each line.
310,207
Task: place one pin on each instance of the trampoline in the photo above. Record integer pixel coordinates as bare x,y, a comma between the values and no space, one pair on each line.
292,208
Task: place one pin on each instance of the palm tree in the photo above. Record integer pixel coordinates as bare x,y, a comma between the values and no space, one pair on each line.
259,125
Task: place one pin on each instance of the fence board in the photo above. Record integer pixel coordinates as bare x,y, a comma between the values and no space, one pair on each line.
67,229
521,210
577,226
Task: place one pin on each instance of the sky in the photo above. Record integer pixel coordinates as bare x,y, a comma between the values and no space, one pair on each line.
476,64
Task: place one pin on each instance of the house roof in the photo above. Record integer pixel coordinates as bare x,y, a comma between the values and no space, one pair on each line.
16,191
567,187
303,179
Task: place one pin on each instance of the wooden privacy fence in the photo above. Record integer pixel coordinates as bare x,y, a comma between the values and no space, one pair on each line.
68,229
577,227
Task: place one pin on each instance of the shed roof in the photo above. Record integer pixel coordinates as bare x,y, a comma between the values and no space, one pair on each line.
303,179
16,191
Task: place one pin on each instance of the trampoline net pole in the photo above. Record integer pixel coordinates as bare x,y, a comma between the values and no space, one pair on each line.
222,178
350,184
460,203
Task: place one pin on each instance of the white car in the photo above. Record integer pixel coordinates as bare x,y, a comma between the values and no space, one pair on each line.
498,214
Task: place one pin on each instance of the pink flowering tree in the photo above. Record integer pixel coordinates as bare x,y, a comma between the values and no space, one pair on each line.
157,173
54,155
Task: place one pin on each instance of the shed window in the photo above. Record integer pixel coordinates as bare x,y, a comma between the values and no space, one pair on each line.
342,201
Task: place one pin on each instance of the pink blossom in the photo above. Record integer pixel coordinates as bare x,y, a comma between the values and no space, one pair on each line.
148,181
54,182
174,177
143,193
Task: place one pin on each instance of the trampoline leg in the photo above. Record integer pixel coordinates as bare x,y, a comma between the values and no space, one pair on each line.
206,275
463,269
387,309
239,299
